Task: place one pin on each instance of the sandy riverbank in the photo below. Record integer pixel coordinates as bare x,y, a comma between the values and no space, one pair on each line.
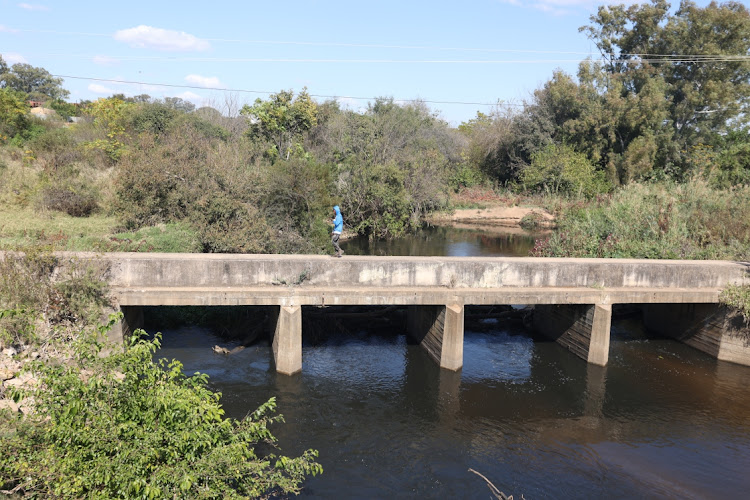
492,216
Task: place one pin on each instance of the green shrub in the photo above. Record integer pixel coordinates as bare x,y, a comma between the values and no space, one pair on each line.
28,292
656,221
561,170
737,297
126,426
169,238
79,202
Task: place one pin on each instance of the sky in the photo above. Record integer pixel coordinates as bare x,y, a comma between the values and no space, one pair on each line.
458,57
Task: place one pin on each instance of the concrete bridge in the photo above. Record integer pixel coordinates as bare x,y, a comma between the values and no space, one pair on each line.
573,298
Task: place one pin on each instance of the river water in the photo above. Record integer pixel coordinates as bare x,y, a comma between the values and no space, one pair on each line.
660,421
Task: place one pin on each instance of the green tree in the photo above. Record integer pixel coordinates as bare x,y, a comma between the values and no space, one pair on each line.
699,53
128,426
3,69
561,170
281,120
110,117
14,113
36,83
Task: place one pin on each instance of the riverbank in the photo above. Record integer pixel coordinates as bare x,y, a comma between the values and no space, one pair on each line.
494,215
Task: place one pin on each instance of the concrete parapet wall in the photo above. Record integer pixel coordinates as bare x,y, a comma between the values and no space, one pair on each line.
219,270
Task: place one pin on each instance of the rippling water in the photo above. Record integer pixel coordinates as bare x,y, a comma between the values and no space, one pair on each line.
660,421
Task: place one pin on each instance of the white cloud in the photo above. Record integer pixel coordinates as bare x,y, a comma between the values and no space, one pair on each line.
100,89
13,58
204,81
36,7
160,39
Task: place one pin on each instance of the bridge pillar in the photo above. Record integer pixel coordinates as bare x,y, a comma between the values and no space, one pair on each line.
287,339
581,328
440,331
132,319
710,328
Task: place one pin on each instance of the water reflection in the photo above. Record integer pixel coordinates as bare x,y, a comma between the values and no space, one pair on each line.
662,420
450,241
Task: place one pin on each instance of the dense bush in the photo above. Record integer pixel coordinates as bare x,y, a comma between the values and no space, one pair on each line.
29,293
664,220
126,426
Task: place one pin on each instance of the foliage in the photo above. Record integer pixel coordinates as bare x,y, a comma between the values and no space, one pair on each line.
733,161
28,291
376,203
737,297
656,221
298,202
14,116
34,83
281,120
226,225
127,426
175,237
110,117
705,98
64,108
561,170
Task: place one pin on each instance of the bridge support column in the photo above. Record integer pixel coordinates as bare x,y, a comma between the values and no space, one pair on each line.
581,328
710,328
440,331
287,339
132,319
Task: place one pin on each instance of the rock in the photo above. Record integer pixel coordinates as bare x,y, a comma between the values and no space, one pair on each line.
8,404
22,381
7,373
10,352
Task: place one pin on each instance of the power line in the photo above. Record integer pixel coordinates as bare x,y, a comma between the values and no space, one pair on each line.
265,92
397,46
651,60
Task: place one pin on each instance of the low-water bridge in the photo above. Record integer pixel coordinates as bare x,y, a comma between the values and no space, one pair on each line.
573,298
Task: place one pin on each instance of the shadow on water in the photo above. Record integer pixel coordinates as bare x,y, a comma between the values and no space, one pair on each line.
660,421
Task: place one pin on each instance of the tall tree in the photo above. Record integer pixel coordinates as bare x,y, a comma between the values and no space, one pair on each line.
36,83
700,53
282,119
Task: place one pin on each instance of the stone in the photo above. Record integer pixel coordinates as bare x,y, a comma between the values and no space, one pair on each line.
8,404
10,352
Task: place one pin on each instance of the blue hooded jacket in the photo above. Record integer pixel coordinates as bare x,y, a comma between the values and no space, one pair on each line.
338,221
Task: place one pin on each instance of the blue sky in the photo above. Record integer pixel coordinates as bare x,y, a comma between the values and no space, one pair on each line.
458,56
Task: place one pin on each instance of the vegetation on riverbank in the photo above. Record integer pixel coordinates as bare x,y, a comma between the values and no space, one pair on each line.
159,175
689,220
76,424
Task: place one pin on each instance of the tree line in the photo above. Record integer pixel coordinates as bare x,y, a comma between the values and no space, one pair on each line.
666,101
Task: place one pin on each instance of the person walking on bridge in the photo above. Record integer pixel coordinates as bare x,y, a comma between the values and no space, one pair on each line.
338,226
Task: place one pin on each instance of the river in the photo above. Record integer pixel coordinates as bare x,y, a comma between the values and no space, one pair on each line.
660,421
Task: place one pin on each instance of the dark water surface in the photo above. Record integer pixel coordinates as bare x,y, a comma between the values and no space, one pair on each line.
660,421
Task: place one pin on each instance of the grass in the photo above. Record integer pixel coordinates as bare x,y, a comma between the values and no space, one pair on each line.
27,227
